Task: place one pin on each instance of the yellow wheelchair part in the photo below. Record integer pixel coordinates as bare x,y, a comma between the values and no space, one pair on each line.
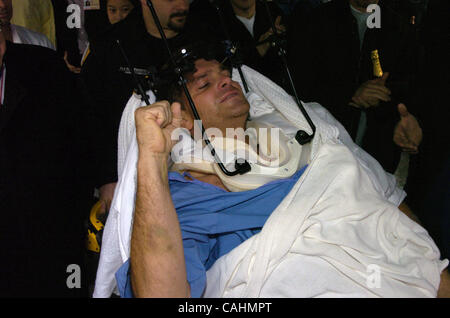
95,229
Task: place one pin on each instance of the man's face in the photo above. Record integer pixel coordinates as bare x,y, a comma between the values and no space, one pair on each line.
5,11
243,4
171,13
118,10
219,100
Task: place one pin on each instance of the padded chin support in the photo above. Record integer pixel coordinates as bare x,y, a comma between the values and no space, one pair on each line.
271,154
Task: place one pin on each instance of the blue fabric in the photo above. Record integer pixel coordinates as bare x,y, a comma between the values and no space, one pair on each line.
214,221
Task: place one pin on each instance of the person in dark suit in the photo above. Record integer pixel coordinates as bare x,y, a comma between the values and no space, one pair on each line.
44,177
107,77
428,179
330,58
66,38
247,23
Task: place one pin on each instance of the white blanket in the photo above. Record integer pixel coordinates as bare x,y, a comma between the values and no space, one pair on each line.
268,100
334,235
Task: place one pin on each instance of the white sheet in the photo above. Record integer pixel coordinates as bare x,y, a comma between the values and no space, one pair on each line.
331,237
267,99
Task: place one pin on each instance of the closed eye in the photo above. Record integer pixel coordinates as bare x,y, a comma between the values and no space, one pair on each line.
202,86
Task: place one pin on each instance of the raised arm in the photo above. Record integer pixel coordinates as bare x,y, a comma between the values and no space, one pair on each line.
157,259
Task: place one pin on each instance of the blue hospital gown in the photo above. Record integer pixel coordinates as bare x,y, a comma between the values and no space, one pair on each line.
214,221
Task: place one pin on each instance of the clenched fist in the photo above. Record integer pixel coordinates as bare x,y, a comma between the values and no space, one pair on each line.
154,127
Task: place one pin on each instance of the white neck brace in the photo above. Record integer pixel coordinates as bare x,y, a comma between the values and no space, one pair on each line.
272,161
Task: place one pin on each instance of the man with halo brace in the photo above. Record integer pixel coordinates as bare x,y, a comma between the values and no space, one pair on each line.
182,228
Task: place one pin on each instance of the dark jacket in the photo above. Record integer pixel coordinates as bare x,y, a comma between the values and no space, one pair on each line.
328,66
269,65
426,167
44,178
108,85
66,38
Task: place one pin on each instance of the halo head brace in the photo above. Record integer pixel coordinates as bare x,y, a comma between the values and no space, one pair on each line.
182,62
184,58
256,173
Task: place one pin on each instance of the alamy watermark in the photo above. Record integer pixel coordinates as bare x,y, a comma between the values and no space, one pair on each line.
373,279
74,19
74,279
374,20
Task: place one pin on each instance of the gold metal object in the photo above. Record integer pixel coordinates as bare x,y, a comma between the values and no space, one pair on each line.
377,70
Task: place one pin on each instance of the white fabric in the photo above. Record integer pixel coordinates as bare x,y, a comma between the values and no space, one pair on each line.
127,129
113,254
26,36
327,238
248,23
331,201
262,114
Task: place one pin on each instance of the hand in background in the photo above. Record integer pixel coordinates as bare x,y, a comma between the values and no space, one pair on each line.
370,93
73,69
407,132
106,196
263,48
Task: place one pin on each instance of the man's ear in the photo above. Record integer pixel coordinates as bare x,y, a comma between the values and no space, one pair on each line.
188,120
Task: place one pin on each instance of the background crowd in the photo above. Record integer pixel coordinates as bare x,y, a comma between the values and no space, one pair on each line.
62,99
